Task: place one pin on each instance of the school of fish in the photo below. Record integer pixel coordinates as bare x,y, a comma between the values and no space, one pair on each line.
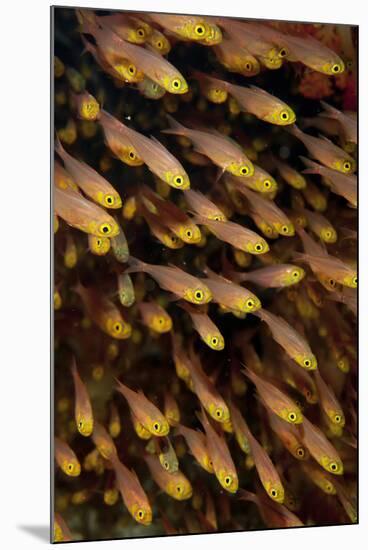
205,274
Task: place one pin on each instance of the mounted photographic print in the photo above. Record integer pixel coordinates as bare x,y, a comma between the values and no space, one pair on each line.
205,274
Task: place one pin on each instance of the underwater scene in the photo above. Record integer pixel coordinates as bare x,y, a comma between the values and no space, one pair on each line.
205,274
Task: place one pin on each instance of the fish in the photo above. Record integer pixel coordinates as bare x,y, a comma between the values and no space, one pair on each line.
103,442
287,436
313,54
127,27
261,181
175,484
66,458
206,391
139,428
229,294
159,42
319,477
61,530
266,470
299,379
236,58
332,267
341,184
289,174
103,312
267,210
150,89
236,235
99,245
245,35
58,302
71,254
328,400
162,233
311,247
273,276
87,106
189,27
348,122
205,327
94,185
349,502
171,410
149,62
223,151
167,456
181,361
125,289
211,91
196,442
114,422
203,206
289,339
174,280
275,399
83,413
273,516
320,448
155,317
222,462
145,412
117,140
320,226
261,104
325,151
84,215
239,428
119,245
62,179
132,493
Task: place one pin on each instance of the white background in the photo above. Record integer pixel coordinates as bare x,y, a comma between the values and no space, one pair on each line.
24,272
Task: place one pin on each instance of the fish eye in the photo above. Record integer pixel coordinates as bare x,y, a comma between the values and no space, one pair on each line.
349,64
198,295
244,170
292,416
159,44
284,115
295,274
228,481
285,229
140,514
214,341
219,413
178,489
333,466
355,281
189,233
308,394
174,239
109,199
154,86
217,91
217,218
282,52
300,452
248,66
335,68
337,418
118,327
329,487
176,83
267,184
332,283
166,465
80,424
199,29
99,242
141,32
258,247
105,228
347,165
156,426
131,155
70,467
274,493
160,320
132,70
250,303
307,363
178,180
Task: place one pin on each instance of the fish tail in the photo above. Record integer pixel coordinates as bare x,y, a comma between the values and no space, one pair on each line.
331,111
312,167
59,148
135,265
175,127
87,21
247,495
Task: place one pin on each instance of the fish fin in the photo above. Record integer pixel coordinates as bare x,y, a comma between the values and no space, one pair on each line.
173,297
247,495
312,166
330,110
158,143
220,173
175,127
294,130
135,265
321,136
